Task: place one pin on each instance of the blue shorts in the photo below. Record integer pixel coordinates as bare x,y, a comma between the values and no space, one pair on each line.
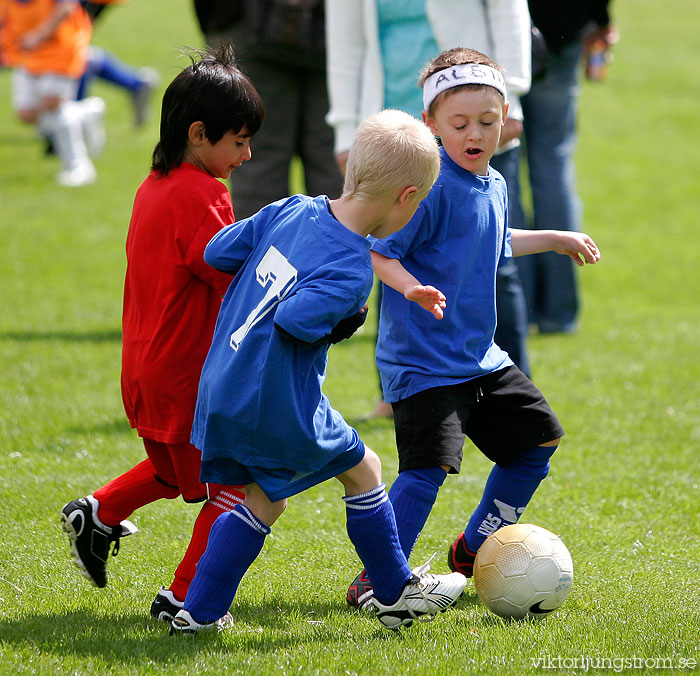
278,483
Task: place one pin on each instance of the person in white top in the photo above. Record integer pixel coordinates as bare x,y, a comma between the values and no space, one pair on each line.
354,59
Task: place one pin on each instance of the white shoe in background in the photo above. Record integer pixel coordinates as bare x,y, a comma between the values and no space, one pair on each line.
83,174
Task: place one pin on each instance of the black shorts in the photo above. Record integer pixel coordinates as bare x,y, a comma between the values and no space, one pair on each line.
503,413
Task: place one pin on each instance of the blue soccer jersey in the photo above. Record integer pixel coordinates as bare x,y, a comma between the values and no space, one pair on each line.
455,242
260,401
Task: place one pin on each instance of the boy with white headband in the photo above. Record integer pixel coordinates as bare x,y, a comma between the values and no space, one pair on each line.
447,379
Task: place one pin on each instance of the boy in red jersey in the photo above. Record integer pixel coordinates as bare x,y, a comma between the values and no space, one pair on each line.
171,302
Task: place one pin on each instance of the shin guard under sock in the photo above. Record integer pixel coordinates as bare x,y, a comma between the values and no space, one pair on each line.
224,501
507,493
413,496
372,530
236,539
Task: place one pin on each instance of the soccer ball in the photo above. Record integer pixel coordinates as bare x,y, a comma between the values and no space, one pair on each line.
523,570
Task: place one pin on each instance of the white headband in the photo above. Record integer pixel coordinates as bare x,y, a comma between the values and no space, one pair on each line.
467,73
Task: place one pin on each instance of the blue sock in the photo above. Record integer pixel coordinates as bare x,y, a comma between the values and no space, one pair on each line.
82,86
107,67
94,61
372,529
507,493
413,496
235,541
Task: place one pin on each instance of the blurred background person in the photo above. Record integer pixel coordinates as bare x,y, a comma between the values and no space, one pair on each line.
279,44
46,43
138,83
571,29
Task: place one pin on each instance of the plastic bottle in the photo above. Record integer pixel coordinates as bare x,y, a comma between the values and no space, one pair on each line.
597,61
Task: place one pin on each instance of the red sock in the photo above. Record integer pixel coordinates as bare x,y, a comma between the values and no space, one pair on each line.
223,501
133,489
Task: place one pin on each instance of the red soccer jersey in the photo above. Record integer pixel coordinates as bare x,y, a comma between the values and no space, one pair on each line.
171,298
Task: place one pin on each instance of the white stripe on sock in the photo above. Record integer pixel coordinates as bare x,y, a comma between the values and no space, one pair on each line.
368,500
226,501
248,517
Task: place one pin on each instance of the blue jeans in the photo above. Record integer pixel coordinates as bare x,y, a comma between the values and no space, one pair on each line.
511,309
550,108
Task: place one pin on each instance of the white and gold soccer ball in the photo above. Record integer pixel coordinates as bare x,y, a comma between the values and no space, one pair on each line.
523,570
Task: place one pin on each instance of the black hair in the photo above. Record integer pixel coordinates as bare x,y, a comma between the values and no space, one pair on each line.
211,90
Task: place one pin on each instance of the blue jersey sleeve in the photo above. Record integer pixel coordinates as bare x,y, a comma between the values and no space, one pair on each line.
231,246
312,311
414,234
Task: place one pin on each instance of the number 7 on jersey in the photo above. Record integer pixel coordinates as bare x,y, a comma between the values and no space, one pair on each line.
279,275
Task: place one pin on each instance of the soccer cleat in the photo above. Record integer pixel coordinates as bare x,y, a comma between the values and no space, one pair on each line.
360,592
83,174
165,606
184,624
90,539
459,558
423,596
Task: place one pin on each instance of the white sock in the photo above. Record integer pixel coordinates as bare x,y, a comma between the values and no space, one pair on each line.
64,129
90,112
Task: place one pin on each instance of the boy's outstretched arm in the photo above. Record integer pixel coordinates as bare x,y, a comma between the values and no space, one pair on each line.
577,245
395,275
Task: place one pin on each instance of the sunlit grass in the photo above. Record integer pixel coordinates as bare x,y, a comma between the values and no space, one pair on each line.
624,488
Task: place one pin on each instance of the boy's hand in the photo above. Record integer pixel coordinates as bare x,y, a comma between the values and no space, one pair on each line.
347,327
578,246
511,129
429,298
32,40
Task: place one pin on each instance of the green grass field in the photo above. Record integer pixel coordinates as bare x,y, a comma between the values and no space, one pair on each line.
623,493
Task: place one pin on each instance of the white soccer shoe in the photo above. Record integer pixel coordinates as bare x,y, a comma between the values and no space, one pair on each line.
83,174
423,596
184,624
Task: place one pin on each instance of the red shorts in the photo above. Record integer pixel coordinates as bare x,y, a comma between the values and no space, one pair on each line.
178,465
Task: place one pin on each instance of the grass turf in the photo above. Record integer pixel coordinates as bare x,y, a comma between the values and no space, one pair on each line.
624,488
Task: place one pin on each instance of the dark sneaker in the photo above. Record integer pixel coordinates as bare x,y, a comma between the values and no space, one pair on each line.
90,539
141,97
459,558
360,592
423,596
165,606
184,624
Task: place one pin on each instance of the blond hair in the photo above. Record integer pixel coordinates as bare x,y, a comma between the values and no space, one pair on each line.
391,151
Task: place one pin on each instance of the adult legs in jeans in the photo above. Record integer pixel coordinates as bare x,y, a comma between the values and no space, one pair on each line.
549,280
511,331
